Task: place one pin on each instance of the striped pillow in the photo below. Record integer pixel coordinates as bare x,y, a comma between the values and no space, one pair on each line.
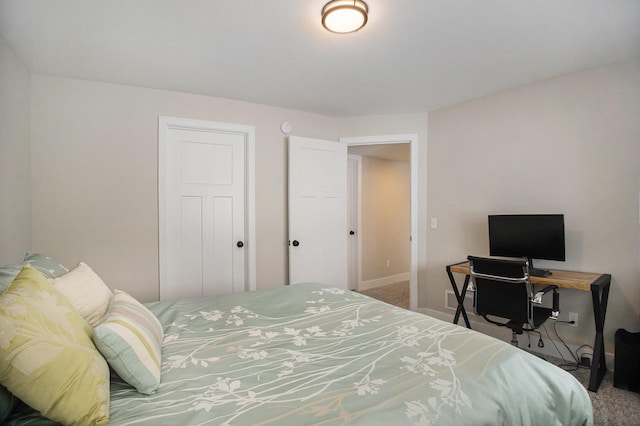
130,339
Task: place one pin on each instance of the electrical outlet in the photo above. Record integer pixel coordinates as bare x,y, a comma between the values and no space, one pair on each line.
573,316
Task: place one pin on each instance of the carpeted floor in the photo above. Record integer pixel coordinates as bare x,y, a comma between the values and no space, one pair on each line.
611,406
395,294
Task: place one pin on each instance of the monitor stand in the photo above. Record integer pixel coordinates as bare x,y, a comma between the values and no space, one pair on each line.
535,272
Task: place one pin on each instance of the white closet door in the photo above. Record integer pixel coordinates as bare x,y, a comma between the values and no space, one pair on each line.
203,227
317,211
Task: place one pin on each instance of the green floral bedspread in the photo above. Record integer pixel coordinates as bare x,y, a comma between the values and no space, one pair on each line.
312,354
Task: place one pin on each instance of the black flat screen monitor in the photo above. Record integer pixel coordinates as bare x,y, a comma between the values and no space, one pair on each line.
534,236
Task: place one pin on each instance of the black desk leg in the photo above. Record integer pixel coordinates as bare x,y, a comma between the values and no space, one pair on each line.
599,365
460,298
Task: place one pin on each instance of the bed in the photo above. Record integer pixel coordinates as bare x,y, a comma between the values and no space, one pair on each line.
316,354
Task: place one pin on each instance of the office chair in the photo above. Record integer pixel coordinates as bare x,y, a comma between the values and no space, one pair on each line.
503,289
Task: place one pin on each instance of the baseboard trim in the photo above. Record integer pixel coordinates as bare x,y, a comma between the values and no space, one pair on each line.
504,334
379,282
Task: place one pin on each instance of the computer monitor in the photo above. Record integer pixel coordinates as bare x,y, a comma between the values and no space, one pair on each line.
534,236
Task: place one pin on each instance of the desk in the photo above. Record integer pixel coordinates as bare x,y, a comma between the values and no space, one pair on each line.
597,284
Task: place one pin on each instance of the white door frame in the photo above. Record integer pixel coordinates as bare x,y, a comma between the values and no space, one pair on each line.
412,139
164,124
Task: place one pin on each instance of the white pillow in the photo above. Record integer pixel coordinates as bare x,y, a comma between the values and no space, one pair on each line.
86,292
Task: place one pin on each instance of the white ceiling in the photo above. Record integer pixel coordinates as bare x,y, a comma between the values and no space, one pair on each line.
413,55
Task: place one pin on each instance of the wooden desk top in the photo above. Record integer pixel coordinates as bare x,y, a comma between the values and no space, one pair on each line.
565,279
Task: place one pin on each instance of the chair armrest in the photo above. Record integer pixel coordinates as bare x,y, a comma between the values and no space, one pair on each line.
556,298
548,288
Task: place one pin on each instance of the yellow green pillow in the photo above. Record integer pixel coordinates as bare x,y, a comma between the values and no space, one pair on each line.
47,358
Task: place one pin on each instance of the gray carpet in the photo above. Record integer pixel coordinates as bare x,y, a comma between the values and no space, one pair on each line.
611,406
395,294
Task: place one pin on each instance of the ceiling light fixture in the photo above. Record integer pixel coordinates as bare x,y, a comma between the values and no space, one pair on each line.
344,16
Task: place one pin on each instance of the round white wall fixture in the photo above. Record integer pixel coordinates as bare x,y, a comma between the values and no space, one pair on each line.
285,127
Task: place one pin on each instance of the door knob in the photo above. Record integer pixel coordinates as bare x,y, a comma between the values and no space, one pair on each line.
352,232
240,244
296,243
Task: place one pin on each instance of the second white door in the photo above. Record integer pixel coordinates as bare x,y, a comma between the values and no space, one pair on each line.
317,211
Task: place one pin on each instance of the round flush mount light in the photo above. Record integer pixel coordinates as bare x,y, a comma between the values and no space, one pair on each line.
344,16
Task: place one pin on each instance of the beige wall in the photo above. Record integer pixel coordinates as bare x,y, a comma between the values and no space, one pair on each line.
386,225
94,175
566,145
15,195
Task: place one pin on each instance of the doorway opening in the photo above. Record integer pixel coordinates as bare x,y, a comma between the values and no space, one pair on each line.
396,149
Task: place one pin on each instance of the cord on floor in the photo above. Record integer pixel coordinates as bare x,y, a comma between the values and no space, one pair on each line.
567,365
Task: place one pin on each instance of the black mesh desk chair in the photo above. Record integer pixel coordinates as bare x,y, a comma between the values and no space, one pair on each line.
503,289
